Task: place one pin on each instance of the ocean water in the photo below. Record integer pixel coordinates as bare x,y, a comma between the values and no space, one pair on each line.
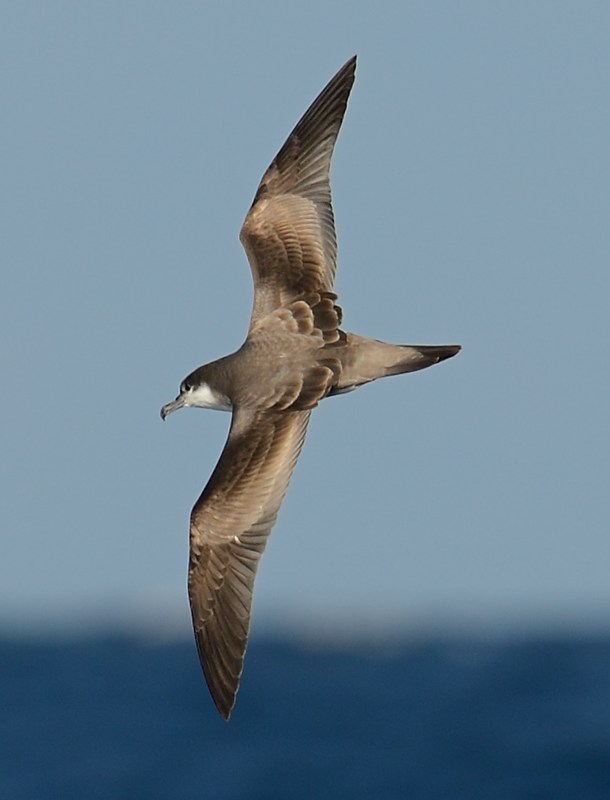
113,717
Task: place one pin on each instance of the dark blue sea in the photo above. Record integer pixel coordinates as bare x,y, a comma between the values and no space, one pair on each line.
114,717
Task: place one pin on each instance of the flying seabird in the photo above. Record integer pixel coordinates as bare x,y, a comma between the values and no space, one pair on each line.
295,354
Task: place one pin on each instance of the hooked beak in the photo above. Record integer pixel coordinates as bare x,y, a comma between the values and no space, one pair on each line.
179,402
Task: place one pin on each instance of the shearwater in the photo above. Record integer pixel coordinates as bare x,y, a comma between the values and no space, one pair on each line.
295,354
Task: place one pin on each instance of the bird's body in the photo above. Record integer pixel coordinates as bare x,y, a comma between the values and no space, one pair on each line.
295,354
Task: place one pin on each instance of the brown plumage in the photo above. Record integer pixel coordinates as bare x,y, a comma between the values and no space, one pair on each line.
295,354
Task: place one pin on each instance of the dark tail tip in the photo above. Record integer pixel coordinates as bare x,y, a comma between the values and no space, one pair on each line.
420,356
439,352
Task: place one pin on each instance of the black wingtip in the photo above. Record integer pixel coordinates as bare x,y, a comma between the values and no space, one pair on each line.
350,64
223,699
325,112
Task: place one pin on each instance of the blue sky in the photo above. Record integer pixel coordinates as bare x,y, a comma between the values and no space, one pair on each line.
470,186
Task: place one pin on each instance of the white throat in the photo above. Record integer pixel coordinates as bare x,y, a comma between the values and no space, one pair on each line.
203,396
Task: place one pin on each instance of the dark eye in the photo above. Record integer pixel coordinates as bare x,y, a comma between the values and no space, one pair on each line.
185,387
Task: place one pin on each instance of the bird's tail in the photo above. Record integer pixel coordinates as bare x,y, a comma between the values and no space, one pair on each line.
364,360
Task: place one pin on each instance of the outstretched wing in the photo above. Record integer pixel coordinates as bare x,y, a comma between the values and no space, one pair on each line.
230,525
289,232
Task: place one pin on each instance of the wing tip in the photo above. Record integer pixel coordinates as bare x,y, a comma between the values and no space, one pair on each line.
222,692
224,709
